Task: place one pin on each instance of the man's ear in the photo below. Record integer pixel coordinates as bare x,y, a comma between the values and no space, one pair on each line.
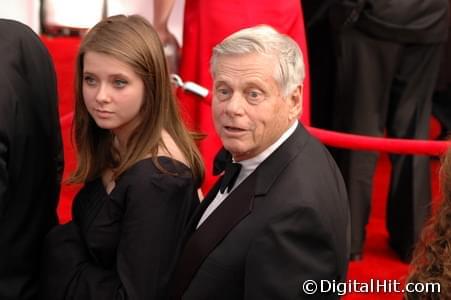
295,103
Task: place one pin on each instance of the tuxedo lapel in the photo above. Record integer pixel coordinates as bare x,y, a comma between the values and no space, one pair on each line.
203,206
192,224
269,170
212,231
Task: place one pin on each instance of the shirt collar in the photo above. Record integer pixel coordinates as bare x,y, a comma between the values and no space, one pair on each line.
249,165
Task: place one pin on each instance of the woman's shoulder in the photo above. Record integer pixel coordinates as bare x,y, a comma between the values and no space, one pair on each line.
168,167
158,166
145,183
162,171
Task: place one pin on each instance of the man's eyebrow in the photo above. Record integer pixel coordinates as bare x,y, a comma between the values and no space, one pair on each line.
218,82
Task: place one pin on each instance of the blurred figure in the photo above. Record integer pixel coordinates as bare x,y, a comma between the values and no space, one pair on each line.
278,216
208,22
441,101
388,56
139,165
162,11
320,41
31,157
432,255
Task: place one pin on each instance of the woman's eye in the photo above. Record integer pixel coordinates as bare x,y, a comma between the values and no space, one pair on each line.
120,83
89,80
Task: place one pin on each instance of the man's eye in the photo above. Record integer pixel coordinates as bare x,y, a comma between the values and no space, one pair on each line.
254,96
222,93
119,83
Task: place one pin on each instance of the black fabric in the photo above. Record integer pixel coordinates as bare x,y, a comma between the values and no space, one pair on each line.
321,61
408,21
31,157
223,162
441,100
231,173
315,11
220,161
122,245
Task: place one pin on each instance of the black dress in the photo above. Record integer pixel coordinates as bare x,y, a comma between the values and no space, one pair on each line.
122,245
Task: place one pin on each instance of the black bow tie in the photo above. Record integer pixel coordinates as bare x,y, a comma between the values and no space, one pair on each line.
230,175
222,158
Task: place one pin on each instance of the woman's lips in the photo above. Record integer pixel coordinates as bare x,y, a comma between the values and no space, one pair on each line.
103,113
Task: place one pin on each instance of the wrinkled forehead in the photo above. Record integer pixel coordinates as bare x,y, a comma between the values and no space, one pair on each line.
244,70
247,62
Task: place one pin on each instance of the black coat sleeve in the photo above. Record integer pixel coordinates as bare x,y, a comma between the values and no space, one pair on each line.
293,249
152,222
6,127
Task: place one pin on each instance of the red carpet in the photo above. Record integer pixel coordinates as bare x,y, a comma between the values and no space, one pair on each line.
379,261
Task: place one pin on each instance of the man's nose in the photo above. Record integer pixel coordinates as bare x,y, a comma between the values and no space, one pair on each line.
235,105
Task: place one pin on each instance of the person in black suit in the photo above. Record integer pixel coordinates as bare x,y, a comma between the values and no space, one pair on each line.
285,220
388,55
139,166
31,157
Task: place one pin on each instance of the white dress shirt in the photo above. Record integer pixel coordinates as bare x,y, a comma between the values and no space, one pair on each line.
247,167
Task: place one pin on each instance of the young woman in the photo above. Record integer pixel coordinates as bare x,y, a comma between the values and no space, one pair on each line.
140,169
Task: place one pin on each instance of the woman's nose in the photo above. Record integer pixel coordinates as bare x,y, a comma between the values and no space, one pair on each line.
102,95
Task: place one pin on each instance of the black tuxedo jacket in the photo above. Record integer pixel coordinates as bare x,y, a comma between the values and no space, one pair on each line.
288,222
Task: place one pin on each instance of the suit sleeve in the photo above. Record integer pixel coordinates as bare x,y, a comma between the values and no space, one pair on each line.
6,126
3,167
148,240
293,248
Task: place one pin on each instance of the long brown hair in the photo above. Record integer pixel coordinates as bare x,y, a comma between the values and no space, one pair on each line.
432,256
132,40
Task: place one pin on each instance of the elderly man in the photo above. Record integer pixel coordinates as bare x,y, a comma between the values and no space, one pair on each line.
278,217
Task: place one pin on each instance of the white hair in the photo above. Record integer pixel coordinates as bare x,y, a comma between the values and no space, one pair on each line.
263,39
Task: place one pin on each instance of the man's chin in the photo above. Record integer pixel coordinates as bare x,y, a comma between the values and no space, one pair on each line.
238,154
233,150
